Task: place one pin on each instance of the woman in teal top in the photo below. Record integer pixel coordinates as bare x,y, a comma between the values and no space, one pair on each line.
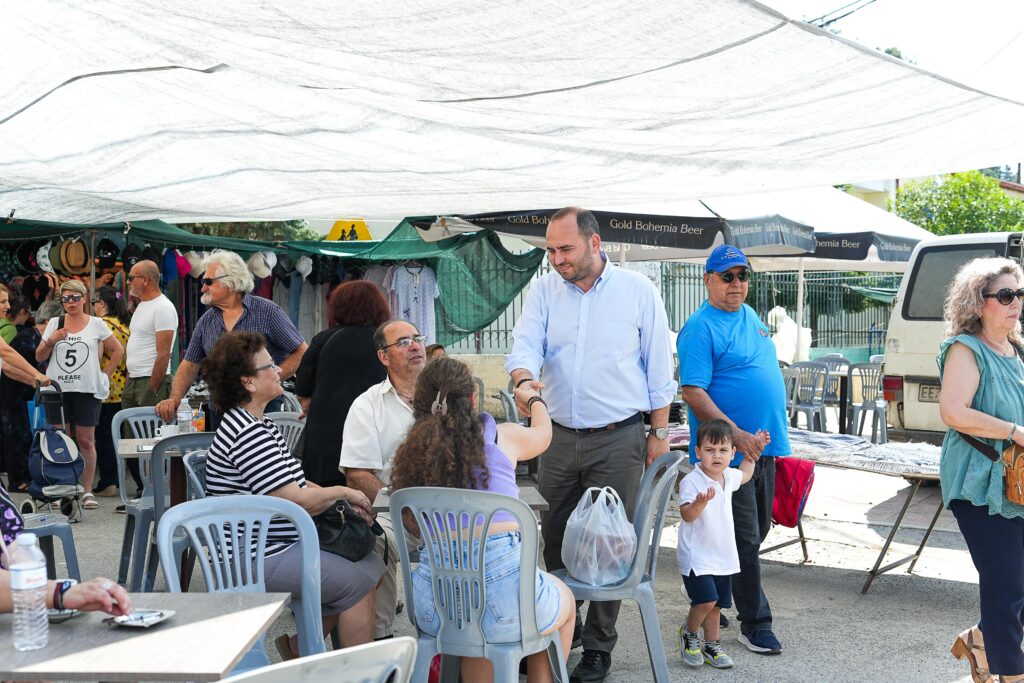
983,396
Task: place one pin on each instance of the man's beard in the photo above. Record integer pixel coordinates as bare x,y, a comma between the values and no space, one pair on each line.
205,299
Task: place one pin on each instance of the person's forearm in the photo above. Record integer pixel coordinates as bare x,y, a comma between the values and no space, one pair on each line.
183,379
17,374
291,364
16,361
659,417
365,481
43,351
160,365
691,512
519,375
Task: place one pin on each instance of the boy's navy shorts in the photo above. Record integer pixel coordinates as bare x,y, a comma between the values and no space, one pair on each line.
709,588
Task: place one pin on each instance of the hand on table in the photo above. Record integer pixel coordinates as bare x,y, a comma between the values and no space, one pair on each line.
166,409
98,594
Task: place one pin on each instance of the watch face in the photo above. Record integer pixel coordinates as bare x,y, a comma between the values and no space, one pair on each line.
661,432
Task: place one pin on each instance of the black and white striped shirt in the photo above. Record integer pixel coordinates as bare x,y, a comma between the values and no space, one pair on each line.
249,457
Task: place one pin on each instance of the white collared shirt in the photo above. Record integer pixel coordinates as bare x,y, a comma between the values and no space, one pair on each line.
376,425
707,545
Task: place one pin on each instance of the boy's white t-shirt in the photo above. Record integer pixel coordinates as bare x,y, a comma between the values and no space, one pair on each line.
75,360
150,317
707,545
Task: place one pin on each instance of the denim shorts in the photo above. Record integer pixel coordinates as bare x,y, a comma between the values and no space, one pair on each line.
709,588
500,622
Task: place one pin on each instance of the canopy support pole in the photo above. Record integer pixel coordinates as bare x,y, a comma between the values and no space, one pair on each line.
799,311
92,265
622,255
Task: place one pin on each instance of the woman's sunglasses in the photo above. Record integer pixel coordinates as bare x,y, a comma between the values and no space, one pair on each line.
728,276
69,298
1006,295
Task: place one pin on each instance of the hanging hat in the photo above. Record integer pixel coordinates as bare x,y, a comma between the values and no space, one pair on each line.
183,265
282,268
258,265
106,253
43,258
304,265
195,262
55,261
271,259
131,255
169,264
325,270
74,256
26,257
150,253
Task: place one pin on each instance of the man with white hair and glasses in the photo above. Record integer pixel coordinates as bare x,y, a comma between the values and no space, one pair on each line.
227,284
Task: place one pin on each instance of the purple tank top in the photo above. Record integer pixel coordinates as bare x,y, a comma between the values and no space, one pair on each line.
501,471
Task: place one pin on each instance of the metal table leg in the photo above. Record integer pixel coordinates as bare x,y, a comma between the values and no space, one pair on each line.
877,570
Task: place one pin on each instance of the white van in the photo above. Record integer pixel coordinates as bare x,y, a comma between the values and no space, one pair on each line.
910,380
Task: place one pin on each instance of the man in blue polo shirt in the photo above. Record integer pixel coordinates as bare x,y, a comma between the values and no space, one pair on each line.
728,370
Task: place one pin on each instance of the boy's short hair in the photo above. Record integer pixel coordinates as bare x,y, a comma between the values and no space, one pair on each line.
715,431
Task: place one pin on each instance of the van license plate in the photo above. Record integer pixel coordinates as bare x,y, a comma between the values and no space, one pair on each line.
928,393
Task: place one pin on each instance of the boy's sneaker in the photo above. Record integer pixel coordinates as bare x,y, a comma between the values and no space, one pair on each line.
715,656
689,647
762,641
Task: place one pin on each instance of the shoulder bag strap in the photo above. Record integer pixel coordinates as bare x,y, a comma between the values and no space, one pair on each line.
980,446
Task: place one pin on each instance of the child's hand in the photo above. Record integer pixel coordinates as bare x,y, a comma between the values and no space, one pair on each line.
763,436
703,498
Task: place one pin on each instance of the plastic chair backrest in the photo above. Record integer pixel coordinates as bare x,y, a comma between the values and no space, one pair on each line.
870,375
876,358
290,403
461,515
837,366
141,423
791,380
385,661
649,515
217,528
291,428
195,470
160,462
509,404
812,376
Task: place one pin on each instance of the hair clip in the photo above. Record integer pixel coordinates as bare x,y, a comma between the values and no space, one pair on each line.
440,405
117,295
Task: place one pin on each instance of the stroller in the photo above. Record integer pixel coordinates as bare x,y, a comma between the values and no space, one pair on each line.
54,462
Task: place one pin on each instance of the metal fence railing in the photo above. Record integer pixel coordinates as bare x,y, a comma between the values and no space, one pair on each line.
838,316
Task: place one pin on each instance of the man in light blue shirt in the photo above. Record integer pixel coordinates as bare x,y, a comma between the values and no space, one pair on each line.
596,338
729,371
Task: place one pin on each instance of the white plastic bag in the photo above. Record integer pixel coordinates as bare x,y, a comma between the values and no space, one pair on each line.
599,541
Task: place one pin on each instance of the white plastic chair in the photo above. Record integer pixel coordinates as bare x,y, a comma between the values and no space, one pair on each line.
870,376
441,514
386,661
290,403
810,393
219,531
648,520
291,427
508,402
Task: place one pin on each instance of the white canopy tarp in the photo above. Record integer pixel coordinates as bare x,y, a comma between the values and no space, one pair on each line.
113,110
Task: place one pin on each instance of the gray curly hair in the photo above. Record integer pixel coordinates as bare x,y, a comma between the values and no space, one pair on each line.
238,278
964,301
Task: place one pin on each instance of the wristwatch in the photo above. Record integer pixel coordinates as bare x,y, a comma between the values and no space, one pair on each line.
660,433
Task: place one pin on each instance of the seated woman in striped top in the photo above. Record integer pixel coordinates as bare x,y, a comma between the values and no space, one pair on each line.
249,457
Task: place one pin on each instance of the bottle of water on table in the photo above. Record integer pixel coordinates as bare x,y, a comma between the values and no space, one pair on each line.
184,417
28,588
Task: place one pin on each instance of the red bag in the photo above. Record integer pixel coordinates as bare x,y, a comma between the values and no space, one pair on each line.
793,480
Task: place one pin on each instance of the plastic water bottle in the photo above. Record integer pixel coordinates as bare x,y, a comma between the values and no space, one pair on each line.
28,588
184,417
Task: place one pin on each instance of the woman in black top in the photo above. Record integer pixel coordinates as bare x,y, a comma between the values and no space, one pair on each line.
340,364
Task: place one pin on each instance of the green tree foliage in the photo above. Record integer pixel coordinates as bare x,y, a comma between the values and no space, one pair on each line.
274,231
957,204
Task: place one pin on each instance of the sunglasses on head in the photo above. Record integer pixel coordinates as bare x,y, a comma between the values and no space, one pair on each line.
208,281
1005,295
728,276
68,298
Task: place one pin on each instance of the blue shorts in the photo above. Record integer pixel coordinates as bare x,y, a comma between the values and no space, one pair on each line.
709,588
500,621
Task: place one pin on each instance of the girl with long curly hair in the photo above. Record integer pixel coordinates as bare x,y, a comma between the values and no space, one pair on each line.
449,445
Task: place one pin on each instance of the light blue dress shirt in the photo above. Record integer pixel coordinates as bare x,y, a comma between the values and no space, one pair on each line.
603,355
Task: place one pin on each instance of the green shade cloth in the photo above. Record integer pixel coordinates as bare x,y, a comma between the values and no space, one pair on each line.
882,294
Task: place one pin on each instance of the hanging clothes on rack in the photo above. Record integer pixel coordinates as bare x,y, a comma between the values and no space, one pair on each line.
415,288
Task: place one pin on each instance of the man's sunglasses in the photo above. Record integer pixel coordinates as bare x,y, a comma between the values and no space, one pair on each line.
135,277
68,298
405,342
728,276
1005,295
208,281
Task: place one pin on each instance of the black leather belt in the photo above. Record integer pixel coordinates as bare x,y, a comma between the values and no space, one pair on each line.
631,420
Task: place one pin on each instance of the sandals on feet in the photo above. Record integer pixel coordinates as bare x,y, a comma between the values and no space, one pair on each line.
284,647
966,647
89,501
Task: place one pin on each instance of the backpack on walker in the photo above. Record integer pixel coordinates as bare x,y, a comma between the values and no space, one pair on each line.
54,462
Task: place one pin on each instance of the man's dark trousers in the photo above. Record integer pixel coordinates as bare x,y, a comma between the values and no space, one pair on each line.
573,463
752,519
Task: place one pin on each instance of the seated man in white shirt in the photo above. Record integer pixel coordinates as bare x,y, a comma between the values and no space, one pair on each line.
376,425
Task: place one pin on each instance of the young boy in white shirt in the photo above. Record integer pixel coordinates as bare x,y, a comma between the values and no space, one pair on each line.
707,543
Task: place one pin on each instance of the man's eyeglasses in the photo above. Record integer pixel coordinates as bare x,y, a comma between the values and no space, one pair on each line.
135,277
68,298
208,281
728,276
1006,295
405,342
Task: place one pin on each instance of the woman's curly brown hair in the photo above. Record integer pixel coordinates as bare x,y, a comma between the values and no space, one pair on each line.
231,359
442,450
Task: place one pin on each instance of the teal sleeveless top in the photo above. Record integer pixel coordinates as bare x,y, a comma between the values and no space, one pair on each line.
964,473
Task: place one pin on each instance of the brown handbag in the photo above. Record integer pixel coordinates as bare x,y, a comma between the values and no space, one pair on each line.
1013,466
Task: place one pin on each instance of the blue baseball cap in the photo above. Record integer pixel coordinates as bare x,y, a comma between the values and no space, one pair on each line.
724,257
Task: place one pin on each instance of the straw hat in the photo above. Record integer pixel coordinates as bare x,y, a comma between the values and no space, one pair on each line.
258,265
55,262
74,256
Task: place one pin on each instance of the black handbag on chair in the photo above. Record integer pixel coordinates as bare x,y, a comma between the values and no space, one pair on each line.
342,531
